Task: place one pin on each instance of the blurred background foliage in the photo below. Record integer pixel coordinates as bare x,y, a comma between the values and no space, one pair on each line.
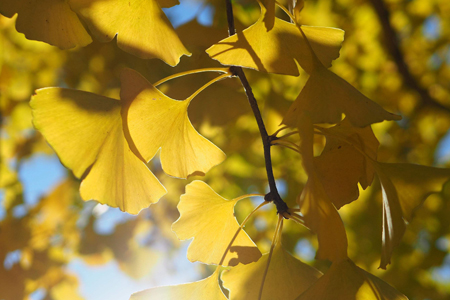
53,245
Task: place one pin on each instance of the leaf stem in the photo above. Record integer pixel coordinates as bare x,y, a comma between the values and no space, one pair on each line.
241,227
189,99
276,237
273,194
161,81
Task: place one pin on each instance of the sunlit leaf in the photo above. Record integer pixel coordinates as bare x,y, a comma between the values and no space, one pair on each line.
207,288
287,45
50,21
326,96
141,27
346,281
86,132
209,219
156,121
287,277
322,217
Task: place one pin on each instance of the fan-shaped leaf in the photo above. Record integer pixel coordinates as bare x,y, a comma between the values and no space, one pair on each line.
209,219
141,27
287,277
155,121
287,45
326,96
86,132
50,21
207,288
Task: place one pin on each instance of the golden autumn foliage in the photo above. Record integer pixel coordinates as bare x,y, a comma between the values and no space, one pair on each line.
299,149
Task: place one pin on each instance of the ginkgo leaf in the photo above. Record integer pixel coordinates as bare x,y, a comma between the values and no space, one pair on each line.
156,121
414,183
346,281
326,96
341,165
50,21
141,27
287,45
287,277
85,130
209,219
404,188
322,218
207,288
393,224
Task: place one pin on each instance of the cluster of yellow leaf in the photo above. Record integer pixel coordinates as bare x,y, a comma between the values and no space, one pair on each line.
60,23
106,142
275,275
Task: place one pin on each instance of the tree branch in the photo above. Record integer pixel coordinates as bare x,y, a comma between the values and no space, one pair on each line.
393,46
273,194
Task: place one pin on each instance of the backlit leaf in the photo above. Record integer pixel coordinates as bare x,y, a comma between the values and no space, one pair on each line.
86,132
287,277
207,288
393,224
209,219
326,96
341,165
50,21
346,281
141,27
404,188
414,183
322,217
156,121
250,48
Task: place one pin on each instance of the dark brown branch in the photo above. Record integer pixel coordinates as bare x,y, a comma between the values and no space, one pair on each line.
393,46
273,194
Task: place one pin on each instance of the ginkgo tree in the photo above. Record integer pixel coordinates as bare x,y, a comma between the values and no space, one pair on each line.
109,143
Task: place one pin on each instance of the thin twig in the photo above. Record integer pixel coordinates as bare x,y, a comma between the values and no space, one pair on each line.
273,195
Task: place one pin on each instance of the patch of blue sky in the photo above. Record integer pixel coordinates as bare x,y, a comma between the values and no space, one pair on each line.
108,218
305,250
442,274
432,27
442,154
2,205
39,174
188,10
109,282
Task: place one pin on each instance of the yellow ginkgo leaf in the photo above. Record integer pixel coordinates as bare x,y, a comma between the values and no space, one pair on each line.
393,224
414,183
326,96
404,188
346,281
156,121
141,27
207,288
85,130
287,45
322,218
50,21
209,219
341,165
287,277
